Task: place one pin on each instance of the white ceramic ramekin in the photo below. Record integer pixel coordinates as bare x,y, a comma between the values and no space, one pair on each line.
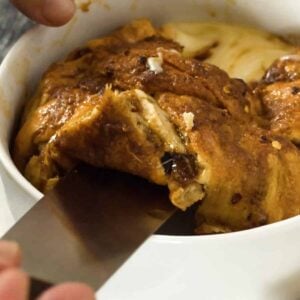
262,263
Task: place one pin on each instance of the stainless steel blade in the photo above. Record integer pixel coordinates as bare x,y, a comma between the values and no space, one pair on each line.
89,225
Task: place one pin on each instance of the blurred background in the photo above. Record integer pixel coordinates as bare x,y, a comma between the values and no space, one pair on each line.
12,25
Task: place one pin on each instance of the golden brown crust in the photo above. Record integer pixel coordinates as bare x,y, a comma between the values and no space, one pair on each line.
185,124
245,177
282,103
280,94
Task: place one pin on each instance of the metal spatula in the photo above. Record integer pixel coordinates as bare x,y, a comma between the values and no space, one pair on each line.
89,225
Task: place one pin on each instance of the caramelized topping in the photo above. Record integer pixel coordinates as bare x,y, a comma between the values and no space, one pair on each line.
182,167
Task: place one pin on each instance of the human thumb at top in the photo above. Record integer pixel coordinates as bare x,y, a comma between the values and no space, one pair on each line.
47,12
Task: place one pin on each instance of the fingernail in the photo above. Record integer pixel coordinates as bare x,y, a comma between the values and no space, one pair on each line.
58,12
9,251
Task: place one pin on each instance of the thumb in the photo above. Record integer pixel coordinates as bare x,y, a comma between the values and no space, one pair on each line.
47,12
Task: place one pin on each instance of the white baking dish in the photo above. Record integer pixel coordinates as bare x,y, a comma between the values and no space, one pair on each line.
262,263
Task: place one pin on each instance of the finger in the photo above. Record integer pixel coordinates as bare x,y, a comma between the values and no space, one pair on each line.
69,291
47,12
14,285
10,255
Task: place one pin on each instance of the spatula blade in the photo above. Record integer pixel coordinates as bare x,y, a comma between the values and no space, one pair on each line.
89,225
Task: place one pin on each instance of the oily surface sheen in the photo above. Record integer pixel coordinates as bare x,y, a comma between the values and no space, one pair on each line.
133,102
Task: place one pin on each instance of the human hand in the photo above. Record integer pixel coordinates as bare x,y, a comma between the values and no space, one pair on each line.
47,12
14,283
